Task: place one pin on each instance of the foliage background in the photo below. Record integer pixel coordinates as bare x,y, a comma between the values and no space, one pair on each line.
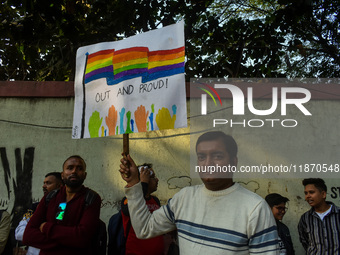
224,38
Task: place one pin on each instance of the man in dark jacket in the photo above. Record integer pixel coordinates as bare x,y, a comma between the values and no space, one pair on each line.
66,221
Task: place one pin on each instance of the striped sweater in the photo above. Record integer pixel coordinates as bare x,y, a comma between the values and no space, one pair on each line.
231,221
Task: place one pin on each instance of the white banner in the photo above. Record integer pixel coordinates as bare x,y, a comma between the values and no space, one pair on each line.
133,85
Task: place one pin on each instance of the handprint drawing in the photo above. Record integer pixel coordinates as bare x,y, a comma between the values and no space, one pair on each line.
164,119
141,117
95,122
111,120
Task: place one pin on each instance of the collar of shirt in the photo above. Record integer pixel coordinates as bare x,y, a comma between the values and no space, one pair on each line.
334,209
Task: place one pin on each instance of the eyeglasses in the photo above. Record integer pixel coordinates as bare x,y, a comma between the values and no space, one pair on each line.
281,208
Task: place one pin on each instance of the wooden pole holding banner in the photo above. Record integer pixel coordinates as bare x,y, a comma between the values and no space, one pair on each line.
126,144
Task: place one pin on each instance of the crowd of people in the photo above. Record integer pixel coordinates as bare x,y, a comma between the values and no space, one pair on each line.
217,217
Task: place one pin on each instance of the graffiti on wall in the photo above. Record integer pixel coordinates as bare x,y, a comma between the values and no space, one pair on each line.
253,186
335,193
178,182
115,204
17,182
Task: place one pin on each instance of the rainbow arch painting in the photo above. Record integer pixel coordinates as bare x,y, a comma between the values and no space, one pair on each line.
121,65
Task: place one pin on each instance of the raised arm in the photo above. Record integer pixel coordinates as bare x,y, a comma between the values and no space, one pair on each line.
128,170
145,224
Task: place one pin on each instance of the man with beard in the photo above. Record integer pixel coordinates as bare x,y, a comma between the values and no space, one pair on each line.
52,181
217,217
66,221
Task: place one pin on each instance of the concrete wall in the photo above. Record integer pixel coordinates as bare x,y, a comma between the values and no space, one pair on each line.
35,138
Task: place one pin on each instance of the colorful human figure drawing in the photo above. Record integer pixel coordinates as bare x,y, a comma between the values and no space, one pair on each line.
142,120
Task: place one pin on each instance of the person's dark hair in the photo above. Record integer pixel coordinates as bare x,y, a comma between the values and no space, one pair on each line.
318,183
228,140
57,175
275,199
74,156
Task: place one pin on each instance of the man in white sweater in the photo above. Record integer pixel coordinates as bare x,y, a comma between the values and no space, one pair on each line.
218,217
